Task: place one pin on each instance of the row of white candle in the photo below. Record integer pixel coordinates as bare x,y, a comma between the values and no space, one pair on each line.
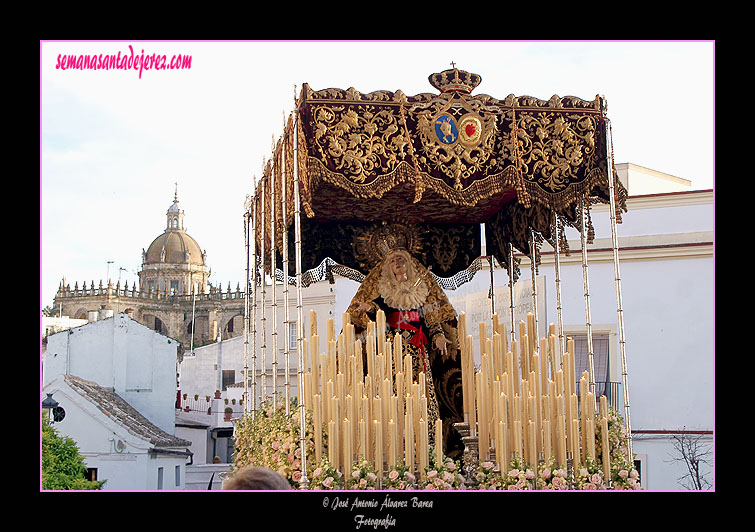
520,403
381,416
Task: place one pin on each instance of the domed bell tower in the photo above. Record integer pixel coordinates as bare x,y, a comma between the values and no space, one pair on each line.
174,262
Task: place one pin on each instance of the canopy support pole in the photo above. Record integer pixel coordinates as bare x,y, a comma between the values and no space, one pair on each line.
263,319
246,313
304,481
286,316
273,276
617,276
557,267
533,268
586,283
255,276
511,291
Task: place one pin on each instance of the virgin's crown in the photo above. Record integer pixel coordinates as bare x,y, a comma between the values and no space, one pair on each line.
455,80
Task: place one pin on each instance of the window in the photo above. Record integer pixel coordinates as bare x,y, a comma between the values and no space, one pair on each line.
91,474
159,478
601,364
292,335
174,287
600,356
229,377
58,414
178,475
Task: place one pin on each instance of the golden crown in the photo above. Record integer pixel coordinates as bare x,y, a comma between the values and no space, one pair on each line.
455,80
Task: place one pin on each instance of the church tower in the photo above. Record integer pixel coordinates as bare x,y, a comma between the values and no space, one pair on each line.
174,264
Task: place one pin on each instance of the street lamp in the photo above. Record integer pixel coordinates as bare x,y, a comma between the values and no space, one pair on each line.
48,406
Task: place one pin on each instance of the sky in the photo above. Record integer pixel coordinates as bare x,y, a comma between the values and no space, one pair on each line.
114,143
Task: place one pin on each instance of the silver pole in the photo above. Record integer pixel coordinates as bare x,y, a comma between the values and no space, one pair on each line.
588,323
557,266
246,313
286,317
511,291
263,319
273,268
619,304
533,268
304,482
255,274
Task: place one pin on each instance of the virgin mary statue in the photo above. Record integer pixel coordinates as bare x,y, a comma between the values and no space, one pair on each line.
416,308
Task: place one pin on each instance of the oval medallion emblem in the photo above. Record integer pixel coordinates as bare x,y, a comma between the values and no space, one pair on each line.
471,129
445,129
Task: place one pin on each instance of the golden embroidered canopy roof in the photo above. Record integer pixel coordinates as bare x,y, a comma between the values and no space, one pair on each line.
439,164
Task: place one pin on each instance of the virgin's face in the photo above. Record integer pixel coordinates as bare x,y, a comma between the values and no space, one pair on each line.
398,266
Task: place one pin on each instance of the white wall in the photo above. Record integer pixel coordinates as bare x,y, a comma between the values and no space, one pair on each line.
130,468
202,373
119,352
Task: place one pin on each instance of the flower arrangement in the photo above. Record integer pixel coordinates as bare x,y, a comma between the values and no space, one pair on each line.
552,476
362,477
269,438
589,476
399,477
623,474
325,477
442,476
519,476
488,478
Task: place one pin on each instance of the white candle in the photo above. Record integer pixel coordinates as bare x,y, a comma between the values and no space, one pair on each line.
348,456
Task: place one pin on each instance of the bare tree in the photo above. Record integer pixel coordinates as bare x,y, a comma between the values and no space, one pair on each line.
696,455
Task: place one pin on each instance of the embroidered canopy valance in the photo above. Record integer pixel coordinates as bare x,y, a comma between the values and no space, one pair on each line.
435,165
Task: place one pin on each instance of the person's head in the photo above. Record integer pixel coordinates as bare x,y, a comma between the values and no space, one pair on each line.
256,478
399,265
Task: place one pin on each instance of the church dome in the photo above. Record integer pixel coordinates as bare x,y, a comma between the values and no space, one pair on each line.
174,246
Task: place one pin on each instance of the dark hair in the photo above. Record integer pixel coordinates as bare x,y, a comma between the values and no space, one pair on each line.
256,478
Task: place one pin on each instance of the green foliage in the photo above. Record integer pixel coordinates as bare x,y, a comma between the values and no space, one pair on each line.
63,468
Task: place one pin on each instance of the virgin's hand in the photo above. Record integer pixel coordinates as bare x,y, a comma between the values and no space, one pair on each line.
441,343
363,307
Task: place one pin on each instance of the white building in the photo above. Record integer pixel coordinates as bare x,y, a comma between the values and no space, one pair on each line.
115,384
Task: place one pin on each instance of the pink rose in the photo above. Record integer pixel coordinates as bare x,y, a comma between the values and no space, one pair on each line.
317,472
296,476
448,477
529,474
327,482
514,473
393,475
275,445
432,474
371,476
487,465
596,478
355,474
546,473
451,466
624,474
363,482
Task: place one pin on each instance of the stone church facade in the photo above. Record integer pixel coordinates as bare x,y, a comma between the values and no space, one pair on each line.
174,291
